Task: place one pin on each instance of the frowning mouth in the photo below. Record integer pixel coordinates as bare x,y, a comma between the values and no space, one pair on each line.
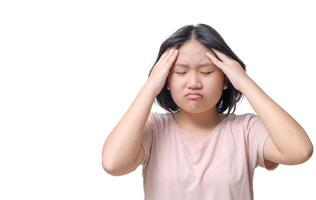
194,96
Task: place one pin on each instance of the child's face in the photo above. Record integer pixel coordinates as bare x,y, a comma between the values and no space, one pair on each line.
183,80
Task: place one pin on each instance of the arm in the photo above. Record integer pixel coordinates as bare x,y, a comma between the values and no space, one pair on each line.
122,150
122,145
288,142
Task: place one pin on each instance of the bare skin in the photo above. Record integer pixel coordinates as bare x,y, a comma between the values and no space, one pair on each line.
194,72
196,134
122,151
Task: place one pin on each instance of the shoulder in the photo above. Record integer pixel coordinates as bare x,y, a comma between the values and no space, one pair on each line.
241,118
250,121
242,121
159,119
156,116
245,118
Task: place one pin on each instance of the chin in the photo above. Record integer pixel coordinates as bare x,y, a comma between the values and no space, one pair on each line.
195,109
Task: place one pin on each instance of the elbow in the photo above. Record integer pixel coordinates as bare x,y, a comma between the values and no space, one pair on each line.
115,169
108,164
304,156
308,153
109,168
298,157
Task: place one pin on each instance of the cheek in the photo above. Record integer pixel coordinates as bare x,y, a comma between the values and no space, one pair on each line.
218,78
169,79
174,81
214,84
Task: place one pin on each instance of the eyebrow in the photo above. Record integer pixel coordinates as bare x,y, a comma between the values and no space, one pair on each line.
201,65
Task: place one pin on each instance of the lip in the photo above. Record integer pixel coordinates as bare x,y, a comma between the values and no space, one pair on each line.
194,95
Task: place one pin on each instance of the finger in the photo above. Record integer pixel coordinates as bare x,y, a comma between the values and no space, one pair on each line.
170,52
216,61
165,53
221,55
172,57
163,57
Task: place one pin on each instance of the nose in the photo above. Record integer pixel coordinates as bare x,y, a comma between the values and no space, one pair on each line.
194,81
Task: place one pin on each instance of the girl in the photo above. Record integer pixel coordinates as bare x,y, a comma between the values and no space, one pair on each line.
195,151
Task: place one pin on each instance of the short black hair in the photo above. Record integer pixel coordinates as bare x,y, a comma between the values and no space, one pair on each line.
210,38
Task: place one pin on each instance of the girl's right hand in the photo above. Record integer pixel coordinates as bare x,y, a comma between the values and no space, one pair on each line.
161,70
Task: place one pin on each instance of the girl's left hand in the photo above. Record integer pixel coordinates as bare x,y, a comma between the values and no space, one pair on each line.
231,68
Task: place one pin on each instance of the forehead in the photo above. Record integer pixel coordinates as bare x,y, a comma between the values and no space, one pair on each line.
192,53
193,49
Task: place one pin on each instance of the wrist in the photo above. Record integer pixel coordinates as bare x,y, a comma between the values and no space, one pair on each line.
244,83
149,87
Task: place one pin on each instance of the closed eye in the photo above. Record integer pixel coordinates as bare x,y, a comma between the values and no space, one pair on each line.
206,72
201,72
180,72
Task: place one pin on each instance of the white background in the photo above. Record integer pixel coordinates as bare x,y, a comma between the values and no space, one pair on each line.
71,69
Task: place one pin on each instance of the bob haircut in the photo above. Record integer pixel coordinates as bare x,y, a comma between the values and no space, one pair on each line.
210,38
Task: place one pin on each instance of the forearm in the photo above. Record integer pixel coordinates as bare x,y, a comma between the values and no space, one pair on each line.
286,133
124,141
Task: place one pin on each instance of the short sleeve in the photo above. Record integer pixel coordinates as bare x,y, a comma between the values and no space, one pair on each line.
149,130
257,135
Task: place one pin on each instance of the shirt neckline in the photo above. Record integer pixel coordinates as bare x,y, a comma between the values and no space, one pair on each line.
200,144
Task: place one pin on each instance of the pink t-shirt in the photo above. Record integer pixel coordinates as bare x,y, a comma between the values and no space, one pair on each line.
220,167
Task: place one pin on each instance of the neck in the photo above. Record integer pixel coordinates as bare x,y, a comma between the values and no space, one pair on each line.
203,120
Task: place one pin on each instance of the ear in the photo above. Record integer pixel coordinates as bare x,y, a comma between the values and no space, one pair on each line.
225,85
167,83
